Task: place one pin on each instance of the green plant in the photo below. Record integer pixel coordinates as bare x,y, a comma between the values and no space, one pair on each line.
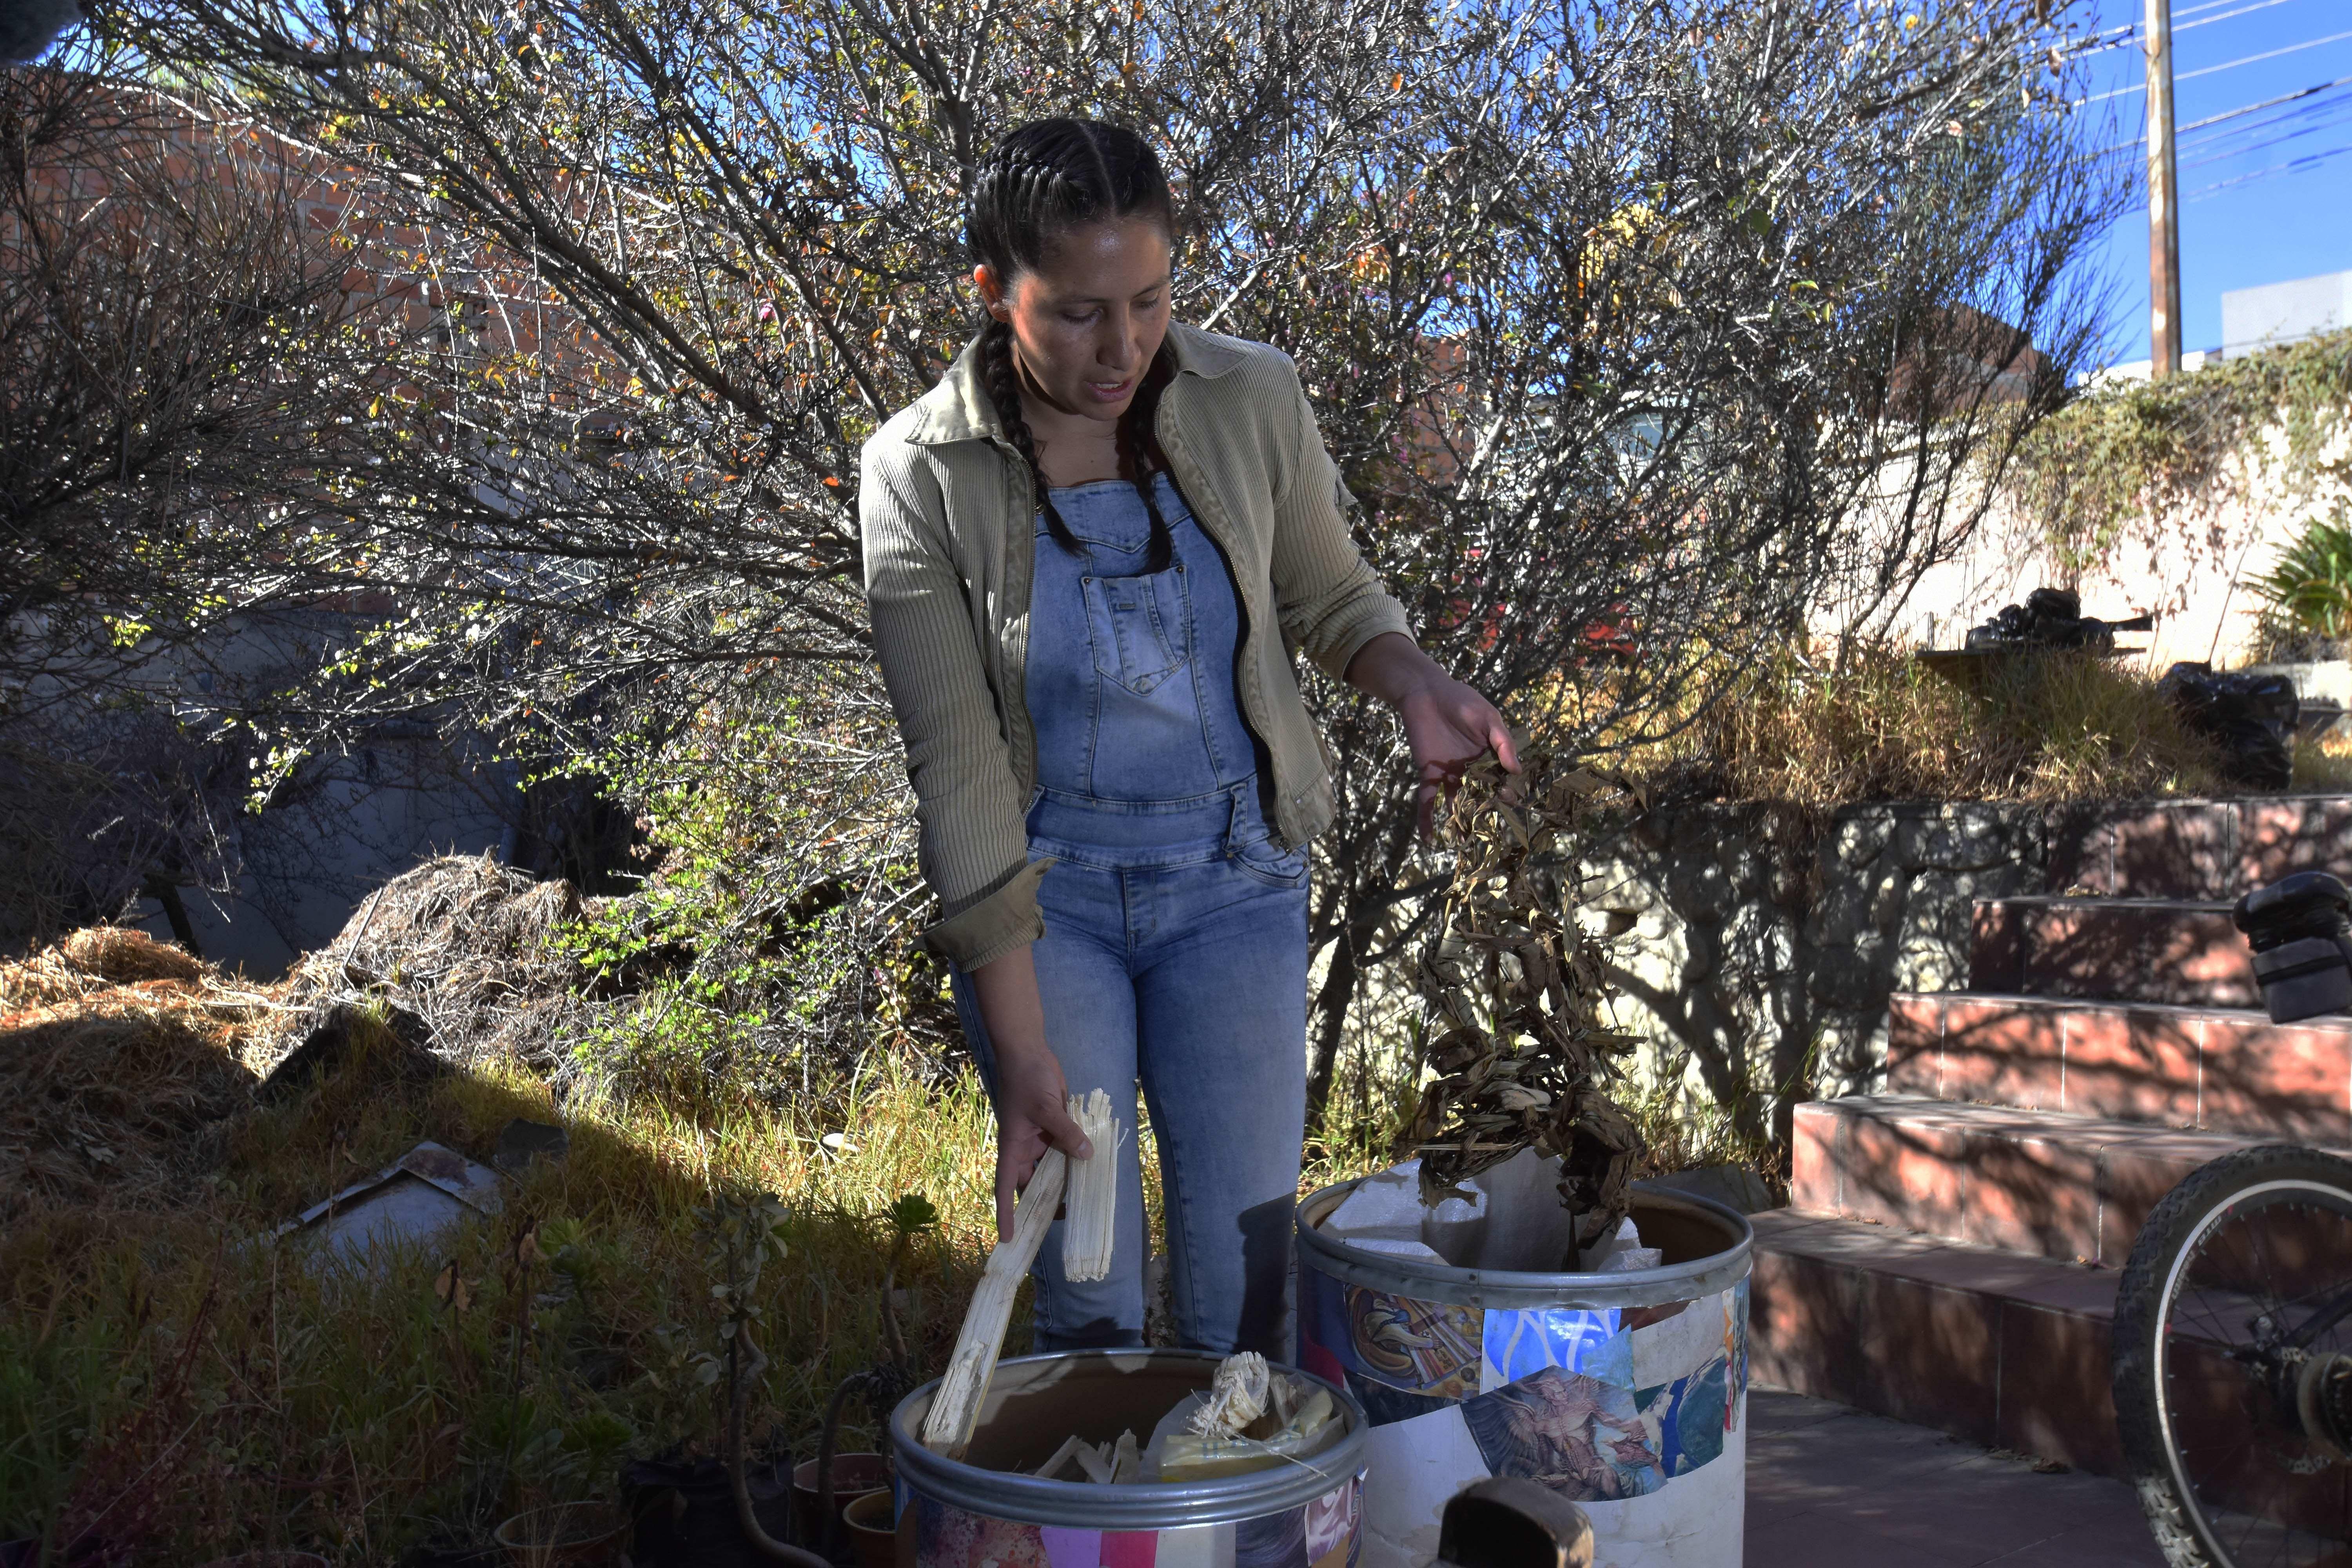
882,1384
2311,585
2121,462
745,1231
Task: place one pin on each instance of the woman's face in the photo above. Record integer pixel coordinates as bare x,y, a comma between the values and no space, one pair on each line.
1086,324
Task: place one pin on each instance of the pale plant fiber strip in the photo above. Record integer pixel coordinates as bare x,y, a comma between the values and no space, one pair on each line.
955,1409
1089,1229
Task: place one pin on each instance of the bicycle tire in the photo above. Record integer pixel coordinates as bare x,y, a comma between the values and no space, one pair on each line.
2173,1515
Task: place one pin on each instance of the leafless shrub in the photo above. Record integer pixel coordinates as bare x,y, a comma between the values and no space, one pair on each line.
1635,326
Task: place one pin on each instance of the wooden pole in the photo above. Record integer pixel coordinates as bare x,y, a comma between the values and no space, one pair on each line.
2163,200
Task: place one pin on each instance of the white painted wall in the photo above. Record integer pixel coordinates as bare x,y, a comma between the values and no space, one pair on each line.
2254,319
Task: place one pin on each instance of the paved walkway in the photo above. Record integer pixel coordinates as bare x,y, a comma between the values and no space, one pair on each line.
1828,1486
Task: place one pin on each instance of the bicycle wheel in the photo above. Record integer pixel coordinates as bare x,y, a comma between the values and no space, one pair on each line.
2232,1354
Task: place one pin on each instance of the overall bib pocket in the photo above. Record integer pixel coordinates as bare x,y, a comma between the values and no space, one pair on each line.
1140,627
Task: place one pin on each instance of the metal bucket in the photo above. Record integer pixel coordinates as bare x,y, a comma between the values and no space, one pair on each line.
1626,1391
988,1509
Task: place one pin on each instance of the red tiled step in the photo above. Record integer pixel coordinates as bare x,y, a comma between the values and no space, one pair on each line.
2008,1351
2217,1069
2197,848
2069,1188
1995,1347
2137,950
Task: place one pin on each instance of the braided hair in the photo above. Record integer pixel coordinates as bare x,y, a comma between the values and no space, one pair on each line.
1044,179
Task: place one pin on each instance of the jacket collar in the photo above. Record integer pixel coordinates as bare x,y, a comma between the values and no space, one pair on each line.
958,407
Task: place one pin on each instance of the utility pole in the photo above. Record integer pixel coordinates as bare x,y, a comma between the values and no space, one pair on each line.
2163,200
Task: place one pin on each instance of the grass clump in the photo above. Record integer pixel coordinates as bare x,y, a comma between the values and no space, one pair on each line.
175,1386
1879,725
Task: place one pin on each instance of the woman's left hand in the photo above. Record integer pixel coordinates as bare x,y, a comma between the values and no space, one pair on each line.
1448,725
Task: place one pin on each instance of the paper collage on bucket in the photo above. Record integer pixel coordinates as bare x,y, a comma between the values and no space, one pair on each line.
1608,1407
1324,1533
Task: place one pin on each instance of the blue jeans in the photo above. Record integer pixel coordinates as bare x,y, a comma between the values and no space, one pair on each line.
1178,959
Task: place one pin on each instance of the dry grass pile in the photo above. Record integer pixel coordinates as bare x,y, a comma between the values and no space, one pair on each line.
465,944
1881,726
120,1060
97,959
377,1412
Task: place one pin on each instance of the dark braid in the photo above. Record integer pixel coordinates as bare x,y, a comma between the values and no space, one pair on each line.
1003,385
1044,179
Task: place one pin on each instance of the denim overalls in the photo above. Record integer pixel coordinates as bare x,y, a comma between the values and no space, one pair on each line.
1175,945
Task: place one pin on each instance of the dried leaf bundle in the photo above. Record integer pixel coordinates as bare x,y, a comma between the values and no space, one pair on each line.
1514,988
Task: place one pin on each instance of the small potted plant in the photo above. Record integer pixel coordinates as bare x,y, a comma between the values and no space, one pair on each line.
831,1478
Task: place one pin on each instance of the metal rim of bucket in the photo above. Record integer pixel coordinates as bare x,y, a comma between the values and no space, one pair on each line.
1508,1290
1090,1505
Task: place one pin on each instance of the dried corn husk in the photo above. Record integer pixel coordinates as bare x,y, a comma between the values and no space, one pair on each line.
1089,1222
1513,989
1238,1395
1194,1457
955,1409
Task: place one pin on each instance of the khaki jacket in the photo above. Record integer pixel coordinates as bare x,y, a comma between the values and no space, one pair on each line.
945,508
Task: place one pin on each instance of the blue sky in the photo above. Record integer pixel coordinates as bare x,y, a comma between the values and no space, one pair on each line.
2263,229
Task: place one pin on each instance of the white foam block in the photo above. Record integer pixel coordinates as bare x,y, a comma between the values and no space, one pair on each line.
1455,1229
1387,1199
1391,1243
1526,1228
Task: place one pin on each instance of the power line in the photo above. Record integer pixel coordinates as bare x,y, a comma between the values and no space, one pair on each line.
2097,41
2129,31
2267,103
2291,165
2228,64
2224,157
2299,93
2303,109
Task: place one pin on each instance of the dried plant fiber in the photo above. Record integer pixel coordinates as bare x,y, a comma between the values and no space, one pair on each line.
955,1409
1089,1222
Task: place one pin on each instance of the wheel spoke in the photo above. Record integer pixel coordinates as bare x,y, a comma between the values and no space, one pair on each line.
2258,1268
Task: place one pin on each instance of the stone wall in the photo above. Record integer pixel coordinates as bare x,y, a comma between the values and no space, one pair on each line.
1755,944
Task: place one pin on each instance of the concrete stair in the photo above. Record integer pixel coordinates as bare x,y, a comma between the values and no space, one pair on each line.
2071,1189
2227,1069
2149,950
1949,1256
2000,1348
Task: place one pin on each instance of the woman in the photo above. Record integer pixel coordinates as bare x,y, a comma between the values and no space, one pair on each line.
1088,552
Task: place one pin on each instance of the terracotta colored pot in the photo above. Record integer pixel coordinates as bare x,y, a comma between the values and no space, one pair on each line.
873,1530
569,1535
854,1476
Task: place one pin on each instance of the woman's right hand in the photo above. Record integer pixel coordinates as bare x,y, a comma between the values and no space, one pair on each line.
1032,1109
1032,1114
